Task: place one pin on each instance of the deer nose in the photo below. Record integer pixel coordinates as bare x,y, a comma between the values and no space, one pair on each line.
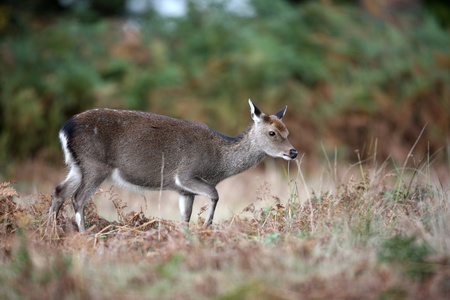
293,153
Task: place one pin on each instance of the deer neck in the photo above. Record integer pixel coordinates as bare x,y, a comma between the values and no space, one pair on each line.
242,152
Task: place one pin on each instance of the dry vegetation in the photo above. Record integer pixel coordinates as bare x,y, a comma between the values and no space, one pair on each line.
381,234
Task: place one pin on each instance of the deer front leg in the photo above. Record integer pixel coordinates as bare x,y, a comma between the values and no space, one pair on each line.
185,202
196,186
212,209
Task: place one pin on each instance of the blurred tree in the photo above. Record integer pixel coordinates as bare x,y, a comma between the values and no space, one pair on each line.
384,8
344,74
109,7
441,9
15,16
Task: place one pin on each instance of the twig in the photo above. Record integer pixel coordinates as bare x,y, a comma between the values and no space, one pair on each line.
160,195
153,221
311,216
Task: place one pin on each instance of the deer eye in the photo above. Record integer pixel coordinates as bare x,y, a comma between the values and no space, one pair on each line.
271,133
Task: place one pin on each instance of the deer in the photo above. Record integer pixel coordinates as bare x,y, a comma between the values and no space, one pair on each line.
146,151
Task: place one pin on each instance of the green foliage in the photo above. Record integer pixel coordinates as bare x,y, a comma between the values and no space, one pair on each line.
272,238
409,254
333,65
170,268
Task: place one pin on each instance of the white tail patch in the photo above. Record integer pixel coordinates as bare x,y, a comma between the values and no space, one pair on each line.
67,156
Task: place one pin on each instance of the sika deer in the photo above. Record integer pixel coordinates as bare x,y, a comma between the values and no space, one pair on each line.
132,148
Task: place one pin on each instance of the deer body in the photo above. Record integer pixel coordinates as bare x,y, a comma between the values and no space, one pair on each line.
140,151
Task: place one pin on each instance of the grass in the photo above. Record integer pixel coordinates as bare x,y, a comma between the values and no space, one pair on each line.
377,233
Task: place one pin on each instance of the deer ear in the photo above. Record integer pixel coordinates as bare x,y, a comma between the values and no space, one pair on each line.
280,114
256,113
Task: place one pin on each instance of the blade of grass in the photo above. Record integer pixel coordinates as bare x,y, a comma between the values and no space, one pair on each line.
311,217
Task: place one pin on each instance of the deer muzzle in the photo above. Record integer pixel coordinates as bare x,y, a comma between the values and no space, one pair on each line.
293,153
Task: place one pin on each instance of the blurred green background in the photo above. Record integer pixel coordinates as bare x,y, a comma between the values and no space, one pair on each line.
356,75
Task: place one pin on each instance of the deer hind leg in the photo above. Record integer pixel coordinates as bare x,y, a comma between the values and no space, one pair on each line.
88,186
198,186
64,190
